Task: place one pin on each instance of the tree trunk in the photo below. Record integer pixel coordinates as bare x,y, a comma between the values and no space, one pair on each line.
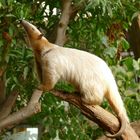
134,36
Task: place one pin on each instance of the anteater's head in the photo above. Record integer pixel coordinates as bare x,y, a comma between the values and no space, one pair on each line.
36,38
32,31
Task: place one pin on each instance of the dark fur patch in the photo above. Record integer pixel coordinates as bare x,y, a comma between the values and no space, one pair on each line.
46,52
40,36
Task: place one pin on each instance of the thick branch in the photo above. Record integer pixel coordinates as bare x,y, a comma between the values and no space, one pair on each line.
134,33
32,108
8,105
63,23
3,61
57,34
135,125
2,90
97,114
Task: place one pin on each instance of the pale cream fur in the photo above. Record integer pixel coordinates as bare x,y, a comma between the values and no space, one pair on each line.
87,72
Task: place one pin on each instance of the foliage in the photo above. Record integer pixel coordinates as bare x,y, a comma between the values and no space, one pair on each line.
98,28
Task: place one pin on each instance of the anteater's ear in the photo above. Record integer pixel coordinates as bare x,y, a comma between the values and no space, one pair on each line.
40,36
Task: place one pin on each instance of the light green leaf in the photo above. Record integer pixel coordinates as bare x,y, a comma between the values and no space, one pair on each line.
25,72
136,65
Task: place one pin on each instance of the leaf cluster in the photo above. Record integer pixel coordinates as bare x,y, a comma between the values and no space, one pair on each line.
99,28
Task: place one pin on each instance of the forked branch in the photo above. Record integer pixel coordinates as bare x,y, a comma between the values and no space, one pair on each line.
95,113
32,108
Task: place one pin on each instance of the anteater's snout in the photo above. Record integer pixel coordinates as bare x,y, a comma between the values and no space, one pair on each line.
20,20
25,24
31,30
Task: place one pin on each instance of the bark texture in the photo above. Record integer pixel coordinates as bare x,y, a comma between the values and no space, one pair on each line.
95,113
134,36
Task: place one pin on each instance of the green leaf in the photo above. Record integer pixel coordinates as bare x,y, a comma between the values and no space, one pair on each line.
11,31
1,43
10,15
111,51
25,72
128,62
136,65
125,44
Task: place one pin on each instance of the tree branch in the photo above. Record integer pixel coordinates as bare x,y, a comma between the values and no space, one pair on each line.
63,23
5,48
134,32
8,105
95,113
2,90
57,34
32,108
